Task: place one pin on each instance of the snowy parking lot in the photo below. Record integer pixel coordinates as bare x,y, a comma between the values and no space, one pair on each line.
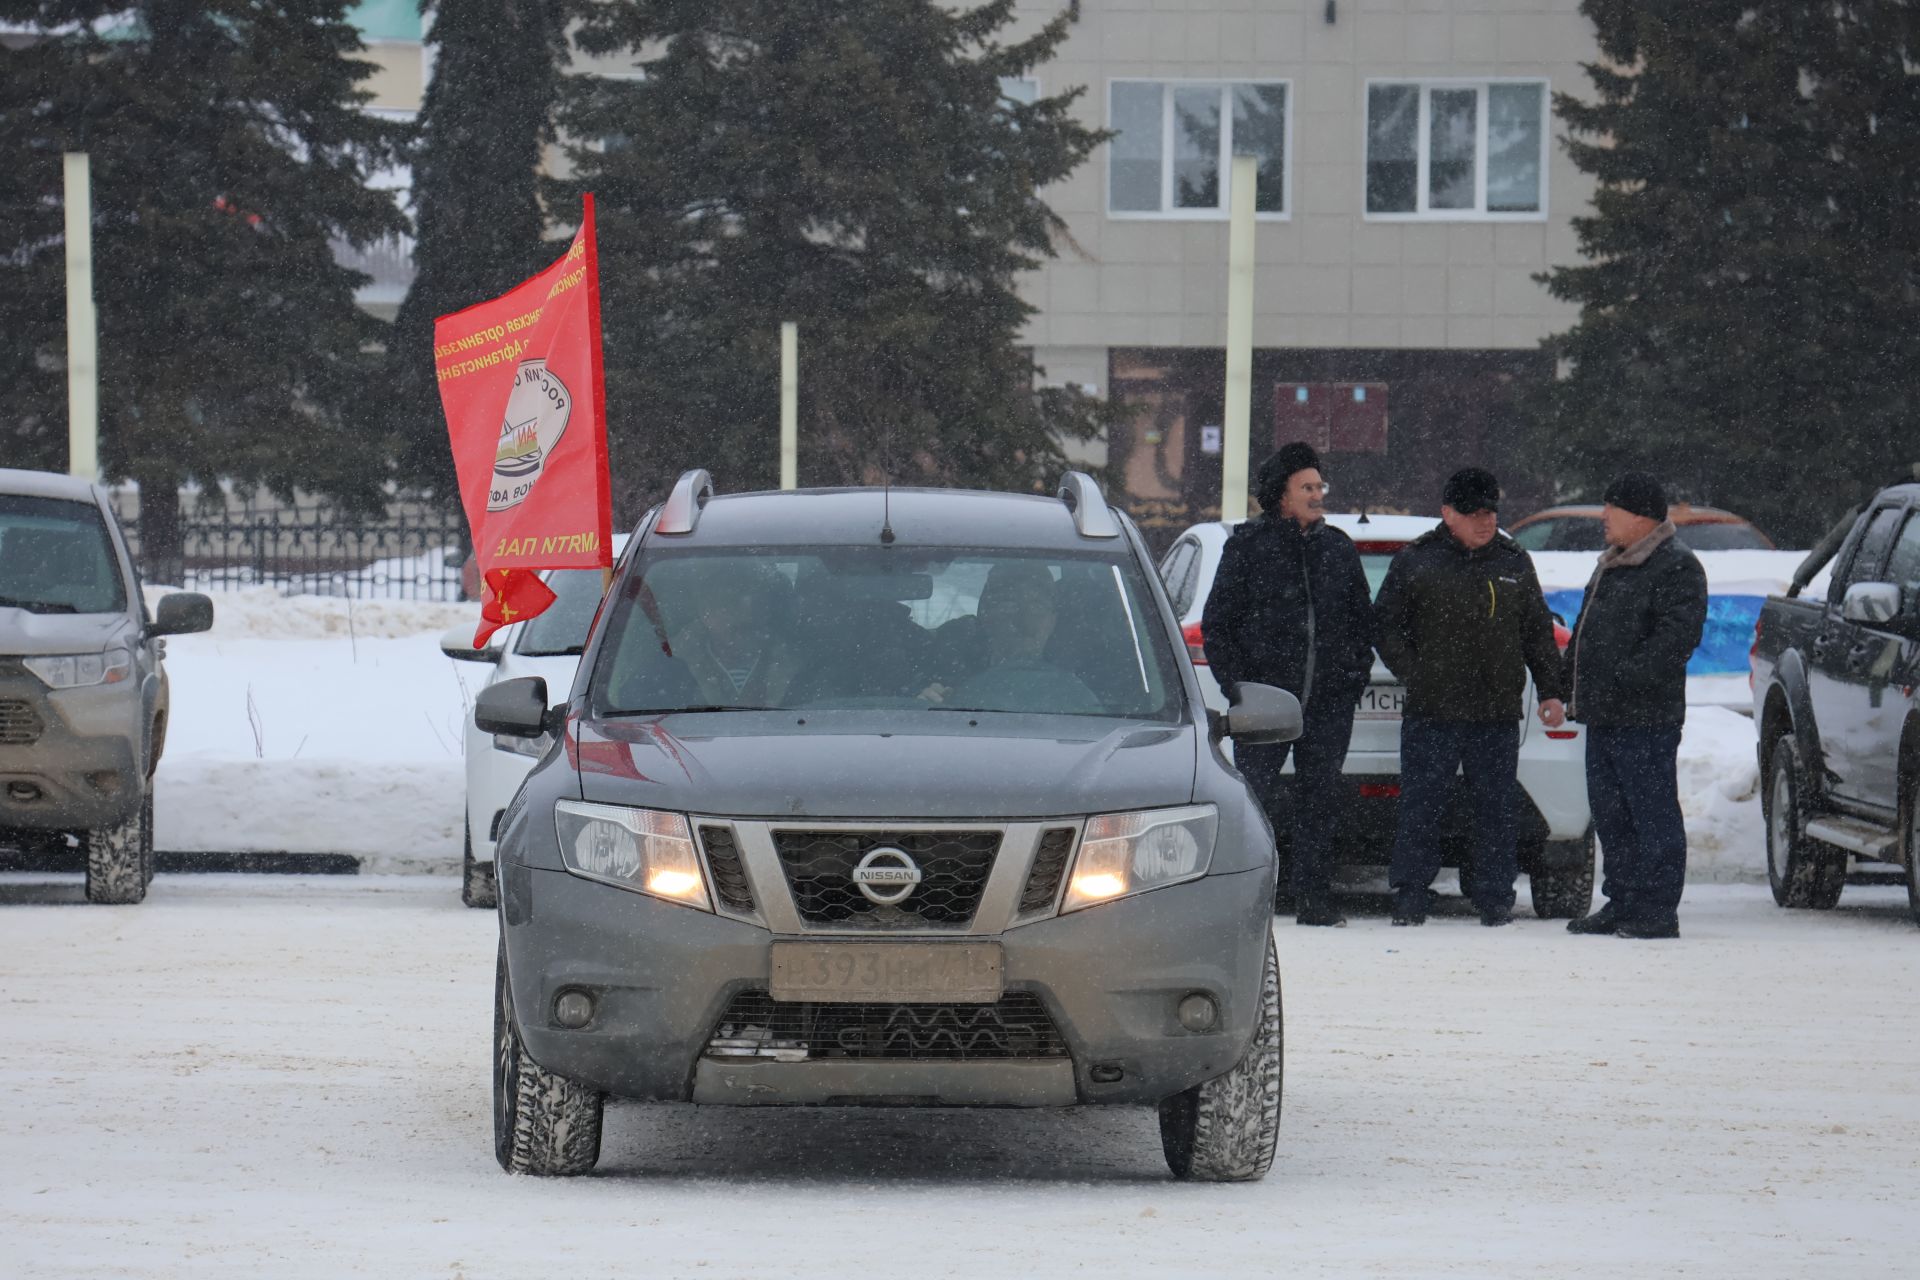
275,1076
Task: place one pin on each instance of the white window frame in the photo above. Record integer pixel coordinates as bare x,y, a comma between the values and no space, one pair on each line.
1423,142
1166,212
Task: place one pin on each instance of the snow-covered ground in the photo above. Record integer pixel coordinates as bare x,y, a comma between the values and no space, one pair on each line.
258,1076
311,724
307,724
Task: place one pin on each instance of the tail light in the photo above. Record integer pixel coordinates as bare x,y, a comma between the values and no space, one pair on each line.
1195,642
1379,790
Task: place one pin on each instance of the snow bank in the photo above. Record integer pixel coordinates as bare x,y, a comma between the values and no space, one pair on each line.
1720,797
306,724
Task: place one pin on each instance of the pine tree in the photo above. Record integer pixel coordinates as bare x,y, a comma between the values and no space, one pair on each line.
851,165
1750,304
228,153
487,117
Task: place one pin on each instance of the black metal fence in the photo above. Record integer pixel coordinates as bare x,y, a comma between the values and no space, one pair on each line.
403,554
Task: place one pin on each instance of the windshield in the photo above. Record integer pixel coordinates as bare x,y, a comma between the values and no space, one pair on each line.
840,628
55,557
562,627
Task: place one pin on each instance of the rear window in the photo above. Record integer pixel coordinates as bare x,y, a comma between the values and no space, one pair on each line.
1722,537
842,628
57,557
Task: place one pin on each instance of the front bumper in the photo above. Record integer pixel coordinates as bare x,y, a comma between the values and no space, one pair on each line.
72,761
662,977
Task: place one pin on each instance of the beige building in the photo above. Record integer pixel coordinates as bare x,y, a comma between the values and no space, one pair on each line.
1411,186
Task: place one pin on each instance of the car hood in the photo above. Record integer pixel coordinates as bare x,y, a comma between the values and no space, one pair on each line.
25,633
860,765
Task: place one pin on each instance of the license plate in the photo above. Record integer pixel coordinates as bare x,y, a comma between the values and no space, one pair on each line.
903,972
1382,702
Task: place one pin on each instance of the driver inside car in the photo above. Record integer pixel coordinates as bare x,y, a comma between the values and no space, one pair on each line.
1016,618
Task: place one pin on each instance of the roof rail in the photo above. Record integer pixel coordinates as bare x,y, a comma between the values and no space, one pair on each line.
681,512
1091,515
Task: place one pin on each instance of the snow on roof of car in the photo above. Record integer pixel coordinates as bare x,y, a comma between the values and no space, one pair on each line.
46,484
1358,525
918,517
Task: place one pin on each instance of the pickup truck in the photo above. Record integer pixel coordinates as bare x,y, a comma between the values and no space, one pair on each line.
1836,700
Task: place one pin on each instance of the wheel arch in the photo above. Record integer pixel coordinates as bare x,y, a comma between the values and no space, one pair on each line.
1789,708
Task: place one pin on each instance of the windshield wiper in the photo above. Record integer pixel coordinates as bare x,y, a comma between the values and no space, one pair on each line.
36,606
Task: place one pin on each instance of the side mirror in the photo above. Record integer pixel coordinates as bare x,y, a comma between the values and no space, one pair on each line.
457,643
1872,603
1260,713
181,613
515,708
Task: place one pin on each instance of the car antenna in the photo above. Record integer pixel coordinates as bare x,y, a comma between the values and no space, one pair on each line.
886,511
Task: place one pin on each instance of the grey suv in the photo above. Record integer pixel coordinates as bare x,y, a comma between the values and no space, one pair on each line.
83,698
901,798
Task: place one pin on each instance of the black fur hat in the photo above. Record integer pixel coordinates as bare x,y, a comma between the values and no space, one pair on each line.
1280,468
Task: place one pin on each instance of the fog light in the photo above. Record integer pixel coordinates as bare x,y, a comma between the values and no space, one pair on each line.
1198,1012
1107,1073
23,792
573,1009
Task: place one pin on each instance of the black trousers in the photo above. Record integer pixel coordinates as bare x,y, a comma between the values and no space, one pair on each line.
1432,752
1318,754
1633,786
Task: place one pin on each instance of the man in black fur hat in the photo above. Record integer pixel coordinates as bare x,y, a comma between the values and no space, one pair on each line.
1290,608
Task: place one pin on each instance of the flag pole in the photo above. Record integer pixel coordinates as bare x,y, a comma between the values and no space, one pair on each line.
1236,436
789,404
83,340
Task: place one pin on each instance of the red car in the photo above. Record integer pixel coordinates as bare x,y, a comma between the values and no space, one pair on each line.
1578,529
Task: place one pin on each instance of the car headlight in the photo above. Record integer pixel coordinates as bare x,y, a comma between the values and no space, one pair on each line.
1128,853
639,849
535,747
72,670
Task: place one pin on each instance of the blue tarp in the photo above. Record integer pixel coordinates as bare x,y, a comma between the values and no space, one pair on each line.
1725,643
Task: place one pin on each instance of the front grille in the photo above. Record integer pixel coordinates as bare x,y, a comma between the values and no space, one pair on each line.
757,1026
1049,865
953,868
729,876
19,723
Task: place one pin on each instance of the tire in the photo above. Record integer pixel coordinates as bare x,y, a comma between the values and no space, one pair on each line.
1226,1129
1803,873
543,1124
1564,893
120,859
477,885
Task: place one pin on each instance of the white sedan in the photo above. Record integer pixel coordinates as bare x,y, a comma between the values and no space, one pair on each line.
1555,825
547,645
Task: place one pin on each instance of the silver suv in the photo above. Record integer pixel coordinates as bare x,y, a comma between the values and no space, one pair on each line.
83,698
902,798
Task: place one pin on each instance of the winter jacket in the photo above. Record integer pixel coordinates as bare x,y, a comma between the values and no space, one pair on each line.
1462,629
1640,622
1290,608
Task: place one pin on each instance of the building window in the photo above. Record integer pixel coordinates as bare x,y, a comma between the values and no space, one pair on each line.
1175,140
1021,91
1457,150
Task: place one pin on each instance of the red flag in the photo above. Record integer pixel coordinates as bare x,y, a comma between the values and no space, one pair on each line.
521,382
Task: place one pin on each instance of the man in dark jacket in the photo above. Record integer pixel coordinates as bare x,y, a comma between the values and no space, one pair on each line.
1627,668
1461,622
1290,608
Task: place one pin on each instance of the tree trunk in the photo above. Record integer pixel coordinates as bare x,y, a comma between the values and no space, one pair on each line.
162,544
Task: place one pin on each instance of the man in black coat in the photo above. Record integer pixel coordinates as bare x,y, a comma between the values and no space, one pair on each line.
1627,667
1290,608
1461,622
